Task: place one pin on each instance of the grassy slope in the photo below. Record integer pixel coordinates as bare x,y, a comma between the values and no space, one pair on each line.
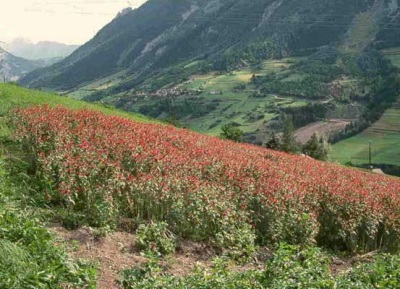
14,96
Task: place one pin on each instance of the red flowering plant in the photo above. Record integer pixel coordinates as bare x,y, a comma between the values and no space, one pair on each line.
107,167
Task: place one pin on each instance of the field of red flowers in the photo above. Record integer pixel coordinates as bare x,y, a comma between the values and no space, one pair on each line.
105,168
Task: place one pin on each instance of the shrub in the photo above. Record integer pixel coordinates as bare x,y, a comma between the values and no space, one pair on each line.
155,237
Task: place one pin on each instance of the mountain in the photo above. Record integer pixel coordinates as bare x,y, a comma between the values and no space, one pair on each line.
161,34
41,50
13,67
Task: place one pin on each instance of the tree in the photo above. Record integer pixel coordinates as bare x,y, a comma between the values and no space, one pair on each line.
289,143
317,147
228,131
274,143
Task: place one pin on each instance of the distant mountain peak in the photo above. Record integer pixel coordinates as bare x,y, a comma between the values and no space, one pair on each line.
25,48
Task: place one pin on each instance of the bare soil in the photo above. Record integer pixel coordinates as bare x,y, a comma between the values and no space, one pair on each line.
117,252
325,128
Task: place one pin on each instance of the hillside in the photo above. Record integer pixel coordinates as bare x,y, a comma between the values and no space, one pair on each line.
12,96
162,34
145,202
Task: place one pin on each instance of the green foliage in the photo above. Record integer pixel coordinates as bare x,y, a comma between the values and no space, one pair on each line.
289,143
152,276
283,223
231,132
292,267
155,237
29,257
384,272
202,218
317,147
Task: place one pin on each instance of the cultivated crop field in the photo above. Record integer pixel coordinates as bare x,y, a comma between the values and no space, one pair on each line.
225,102
105,167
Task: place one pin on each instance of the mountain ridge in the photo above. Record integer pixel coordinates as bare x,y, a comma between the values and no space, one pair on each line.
13,67
38,51
160,34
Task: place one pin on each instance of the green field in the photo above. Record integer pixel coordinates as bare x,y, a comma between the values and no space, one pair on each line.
238,106
394,55
384,136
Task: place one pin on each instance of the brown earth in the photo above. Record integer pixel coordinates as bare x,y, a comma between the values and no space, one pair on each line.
116,252
325,128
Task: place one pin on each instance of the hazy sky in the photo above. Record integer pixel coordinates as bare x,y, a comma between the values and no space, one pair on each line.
67,21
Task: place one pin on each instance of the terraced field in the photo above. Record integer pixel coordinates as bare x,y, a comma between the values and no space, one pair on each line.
237,105
384,136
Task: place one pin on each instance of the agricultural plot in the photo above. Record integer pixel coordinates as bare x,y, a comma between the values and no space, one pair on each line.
384,136
107,167
237,106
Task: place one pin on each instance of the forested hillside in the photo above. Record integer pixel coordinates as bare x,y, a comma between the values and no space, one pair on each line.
226,33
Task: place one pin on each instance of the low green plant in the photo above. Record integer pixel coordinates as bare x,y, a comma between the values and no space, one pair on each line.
384,272
292,267
155,237
29,257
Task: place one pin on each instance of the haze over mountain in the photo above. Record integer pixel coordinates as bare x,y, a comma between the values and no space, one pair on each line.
44,49
13,67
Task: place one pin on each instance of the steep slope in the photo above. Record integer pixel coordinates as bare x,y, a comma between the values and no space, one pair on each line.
161,34
41,50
